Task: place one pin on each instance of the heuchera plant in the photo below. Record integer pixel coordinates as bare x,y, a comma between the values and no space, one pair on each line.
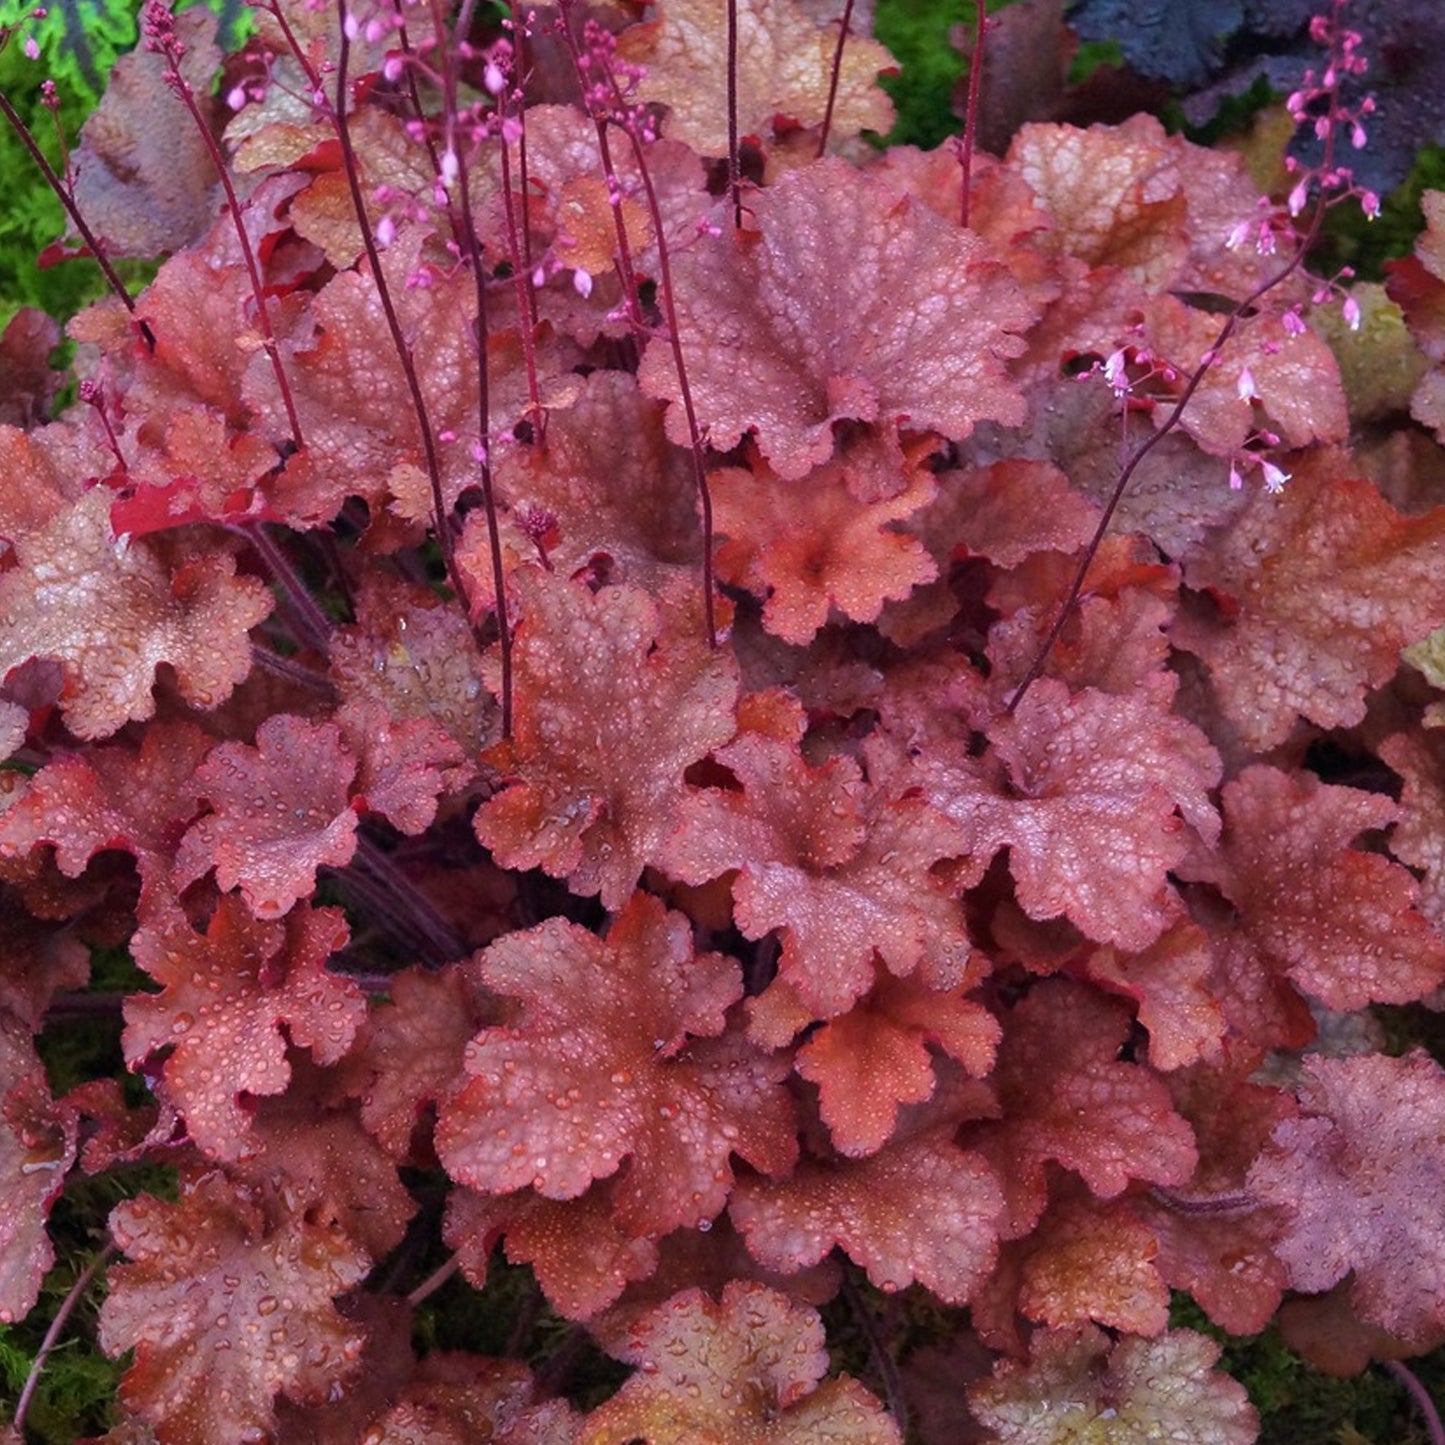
642,697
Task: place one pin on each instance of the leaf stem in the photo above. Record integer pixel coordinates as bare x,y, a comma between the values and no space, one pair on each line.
970,119
1241,311
52,1335
623,118
434,1281
161,39
883,1362
66,199
1421,1396
484,401
843,28
441,520
734,168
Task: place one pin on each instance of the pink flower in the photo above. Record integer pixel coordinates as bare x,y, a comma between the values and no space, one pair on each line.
1274,477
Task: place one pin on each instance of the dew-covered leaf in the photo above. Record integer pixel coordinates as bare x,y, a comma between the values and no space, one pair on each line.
226,996
1079,1385
785,65
930,320
37,1148
921,1209
1090,793
1067,1096
740,1371
1360,1173
613,1054
838,866
612,707
877,1056
225,1309
279,811
1343,924
111,613
1320,586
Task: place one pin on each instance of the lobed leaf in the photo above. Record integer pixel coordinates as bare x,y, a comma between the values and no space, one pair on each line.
784,75
849,302
611,710
739,1371
279,811
226,1309
1078,1384
920,1209
226,995
572,1088
111,613
1360,1174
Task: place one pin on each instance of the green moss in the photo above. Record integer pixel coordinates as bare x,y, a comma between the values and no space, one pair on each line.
1298,1403
917,33
77,1383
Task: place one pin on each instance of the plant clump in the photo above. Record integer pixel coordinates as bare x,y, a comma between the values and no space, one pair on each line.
640,700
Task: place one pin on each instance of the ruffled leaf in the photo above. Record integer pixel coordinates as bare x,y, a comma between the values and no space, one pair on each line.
279,811
809,545
876,1056
610,712
920,1210
567,1092
1086,791
1067,1096
225,998
225,1310
1361,1175
1080,1385
1321,587
930,321
37,1148
841,869
111,613
1342,924
740,1371
785,65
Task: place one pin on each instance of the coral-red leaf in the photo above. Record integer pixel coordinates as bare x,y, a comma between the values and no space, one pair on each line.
1067,1096
875,1057
37,1148
1343,924
226,1310
597,1067
741,1371
227,994
810,544
929,322
1085,796
610,712
1324,585
279,812
111,613
921,1209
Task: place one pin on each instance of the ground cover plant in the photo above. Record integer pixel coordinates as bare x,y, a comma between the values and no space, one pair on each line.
782,762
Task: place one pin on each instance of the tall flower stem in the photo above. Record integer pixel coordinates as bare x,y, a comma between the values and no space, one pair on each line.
160,38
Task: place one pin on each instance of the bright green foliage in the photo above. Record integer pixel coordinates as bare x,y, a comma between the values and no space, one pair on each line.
917,32
78,1383
79,42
